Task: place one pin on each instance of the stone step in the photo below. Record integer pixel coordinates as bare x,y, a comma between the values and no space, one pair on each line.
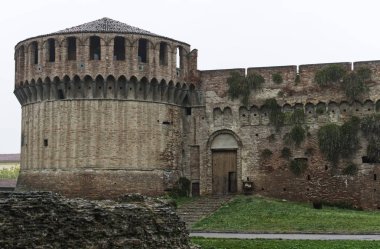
200,208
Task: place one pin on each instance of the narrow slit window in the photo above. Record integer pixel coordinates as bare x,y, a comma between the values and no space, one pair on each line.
71,48
143,51
46,142
95,50
119,48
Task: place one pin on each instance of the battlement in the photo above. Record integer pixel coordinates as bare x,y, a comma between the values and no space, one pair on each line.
90,50
306,72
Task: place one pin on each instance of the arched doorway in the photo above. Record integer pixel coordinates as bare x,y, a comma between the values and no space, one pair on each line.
224,164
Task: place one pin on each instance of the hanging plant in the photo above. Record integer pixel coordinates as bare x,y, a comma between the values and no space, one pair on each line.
240,86
350,169
297,117
330,74
329,142
277,78
276,116
286,153
298,166
339,141
354,85
296,135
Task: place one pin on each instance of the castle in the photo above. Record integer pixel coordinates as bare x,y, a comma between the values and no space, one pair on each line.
108,108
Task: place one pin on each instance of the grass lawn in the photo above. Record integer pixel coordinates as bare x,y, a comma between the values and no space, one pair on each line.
9,173
258,214
283,244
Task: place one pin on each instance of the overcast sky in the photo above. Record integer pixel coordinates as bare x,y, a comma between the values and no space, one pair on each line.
227,34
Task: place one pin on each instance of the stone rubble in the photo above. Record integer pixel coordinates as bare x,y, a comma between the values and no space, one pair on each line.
49,220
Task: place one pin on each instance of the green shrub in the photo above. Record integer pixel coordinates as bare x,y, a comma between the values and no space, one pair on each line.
298,166
9,173
266,154
296,135
330,74
339,141
370,125
286,153
276,116
297,117
351,169
373,149
329,142
354,85
240,86
277,78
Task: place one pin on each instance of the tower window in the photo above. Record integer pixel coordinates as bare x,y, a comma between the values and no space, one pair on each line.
95,51
143,51
35,52
119,48
163,54
51,50
179,57
61,95
46,142
71,48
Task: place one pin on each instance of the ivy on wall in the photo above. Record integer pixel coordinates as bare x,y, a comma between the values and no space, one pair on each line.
277,78
352,83
339,141
298,166
240,86
370,126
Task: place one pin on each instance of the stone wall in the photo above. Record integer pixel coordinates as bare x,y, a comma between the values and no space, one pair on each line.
250,125
47,220
101,148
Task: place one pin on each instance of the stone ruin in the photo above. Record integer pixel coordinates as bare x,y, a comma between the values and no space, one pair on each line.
49,220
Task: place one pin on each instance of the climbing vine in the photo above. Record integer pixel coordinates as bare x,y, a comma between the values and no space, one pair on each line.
350,169
297,117
276,116
296,135
277,78
286,153
298,166
330,74
370,127
339,141
240,86
352,83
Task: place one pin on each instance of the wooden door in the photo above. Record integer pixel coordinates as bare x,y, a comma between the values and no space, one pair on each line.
224,173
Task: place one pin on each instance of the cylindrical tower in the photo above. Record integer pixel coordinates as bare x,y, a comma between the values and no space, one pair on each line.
102,109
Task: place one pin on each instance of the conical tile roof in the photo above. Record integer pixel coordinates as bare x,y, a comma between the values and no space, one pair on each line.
105,25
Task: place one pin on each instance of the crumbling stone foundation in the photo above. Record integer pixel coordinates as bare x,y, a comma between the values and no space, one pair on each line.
48,220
